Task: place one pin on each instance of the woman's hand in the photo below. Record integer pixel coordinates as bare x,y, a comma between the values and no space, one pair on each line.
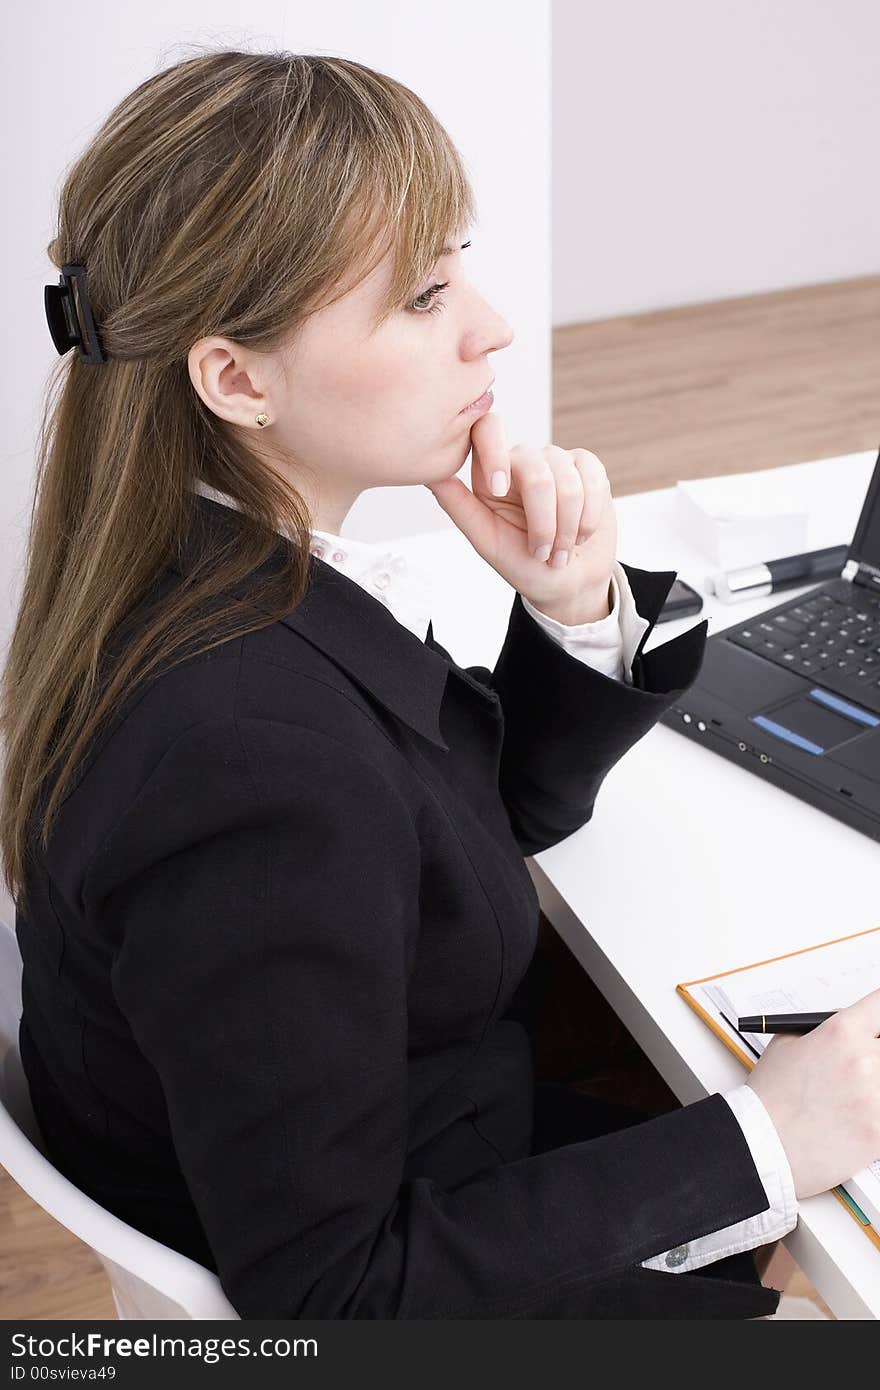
822,1092
555,500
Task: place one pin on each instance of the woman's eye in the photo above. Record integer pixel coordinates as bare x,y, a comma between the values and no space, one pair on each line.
434,305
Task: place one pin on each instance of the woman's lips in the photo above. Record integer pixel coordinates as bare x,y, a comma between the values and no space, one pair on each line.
485,402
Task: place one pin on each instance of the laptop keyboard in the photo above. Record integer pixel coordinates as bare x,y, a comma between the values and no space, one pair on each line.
833,636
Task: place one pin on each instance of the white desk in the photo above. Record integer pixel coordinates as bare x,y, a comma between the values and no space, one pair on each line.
731,868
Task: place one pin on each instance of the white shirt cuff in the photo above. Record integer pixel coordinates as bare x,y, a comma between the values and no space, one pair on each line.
775,1173
610,643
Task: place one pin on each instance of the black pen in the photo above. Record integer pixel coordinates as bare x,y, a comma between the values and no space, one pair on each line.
781,1023
787,572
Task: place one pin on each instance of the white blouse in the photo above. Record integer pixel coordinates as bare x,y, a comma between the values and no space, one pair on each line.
608,645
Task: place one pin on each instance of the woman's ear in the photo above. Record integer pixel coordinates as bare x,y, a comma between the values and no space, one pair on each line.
228,379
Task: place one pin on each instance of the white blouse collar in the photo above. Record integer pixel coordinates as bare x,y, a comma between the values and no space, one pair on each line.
393,579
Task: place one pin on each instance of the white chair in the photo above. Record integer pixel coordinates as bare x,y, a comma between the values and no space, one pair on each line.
148,1280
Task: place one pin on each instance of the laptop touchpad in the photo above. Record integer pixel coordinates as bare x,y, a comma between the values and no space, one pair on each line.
813,725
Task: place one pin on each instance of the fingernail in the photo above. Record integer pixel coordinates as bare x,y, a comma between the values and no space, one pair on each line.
543,552
560,560
499,483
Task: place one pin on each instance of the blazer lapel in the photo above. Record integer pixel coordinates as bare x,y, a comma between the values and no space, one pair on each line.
356,631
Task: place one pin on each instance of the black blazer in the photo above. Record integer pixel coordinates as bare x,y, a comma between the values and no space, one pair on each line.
271,971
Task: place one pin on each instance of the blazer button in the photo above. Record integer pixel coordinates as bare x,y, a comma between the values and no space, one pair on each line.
677,1256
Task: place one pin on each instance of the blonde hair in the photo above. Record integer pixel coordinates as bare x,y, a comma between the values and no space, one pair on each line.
231,194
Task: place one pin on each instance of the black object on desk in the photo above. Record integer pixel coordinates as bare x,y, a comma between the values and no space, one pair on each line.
786,572
781,1023
681,601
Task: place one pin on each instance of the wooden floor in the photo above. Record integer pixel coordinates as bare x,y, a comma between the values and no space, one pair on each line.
725,387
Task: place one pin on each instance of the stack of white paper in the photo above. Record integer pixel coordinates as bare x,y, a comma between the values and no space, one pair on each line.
742,518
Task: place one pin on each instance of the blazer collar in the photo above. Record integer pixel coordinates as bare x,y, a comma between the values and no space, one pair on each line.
357,632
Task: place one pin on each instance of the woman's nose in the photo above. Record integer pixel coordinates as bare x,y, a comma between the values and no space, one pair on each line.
493,332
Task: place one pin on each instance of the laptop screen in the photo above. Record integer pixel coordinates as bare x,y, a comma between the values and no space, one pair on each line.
866,541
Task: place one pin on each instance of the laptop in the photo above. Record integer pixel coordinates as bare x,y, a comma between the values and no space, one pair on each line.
793,693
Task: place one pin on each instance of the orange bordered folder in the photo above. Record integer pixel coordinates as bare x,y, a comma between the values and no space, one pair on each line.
829,976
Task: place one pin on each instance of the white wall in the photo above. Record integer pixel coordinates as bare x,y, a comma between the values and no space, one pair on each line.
483,70
710,148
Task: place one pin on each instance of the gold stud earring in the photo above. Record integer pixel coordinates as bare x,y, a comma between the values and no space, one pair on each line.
262,419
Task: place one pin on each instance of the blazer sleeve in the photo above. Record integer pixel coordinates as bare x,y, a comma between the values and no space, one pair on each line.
566,724
262,896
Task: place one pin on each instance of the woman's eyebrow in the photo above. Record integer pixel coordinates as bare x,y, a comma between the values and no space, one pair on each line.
450,250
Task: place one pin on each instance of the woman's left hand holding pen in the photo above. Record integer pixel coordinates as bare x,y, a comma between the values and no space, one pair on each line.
553,500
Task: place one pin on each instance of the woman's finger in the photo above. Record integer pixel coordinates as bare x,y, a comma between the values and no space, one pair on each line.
536,483
489,454
569,502
597,490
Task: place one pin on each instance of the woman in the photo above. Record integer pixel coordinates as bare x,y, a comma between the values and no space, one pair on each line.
264,835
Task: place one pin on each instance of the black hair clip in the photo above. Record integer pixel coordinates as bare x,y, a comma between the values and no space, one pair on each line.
63,318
